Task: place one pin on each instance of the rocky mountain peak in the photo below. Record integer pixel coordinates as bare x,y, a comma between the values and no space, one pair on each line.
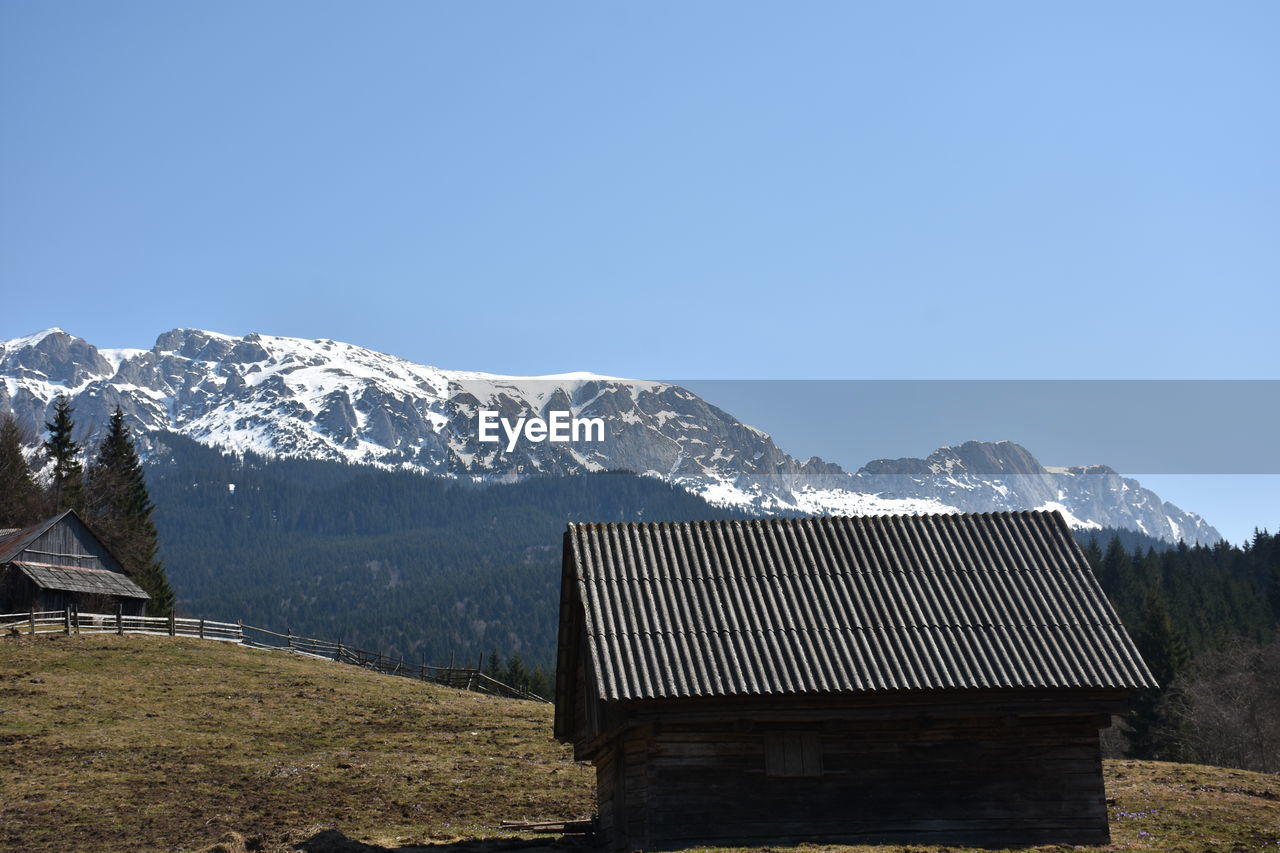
54,356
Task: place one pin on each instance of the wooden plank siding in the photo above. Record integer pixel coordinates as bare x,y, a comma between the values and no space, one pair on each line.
975,780
69,543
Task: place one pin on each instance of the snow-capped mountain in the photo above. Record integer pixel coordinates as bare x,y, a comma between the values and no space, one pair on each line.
323,399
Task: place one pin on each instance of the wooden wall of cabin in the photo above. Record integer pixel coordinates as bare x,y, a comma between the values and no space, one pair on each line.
16,590
69,543
622,789
993,781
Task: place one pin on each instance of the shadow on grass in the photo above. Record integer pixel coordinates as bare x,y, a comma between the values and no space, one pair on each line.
329,840
333,841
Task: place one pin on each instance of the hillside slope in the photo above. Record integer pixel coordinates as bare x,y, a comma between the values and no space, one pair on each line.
139,743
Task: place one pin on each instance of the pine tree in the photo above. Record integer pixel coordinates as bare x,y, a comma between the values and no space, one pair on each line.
493,666
66,491
119,508
1160,642
21,500
1165,651
1115,574
1093,554
515,674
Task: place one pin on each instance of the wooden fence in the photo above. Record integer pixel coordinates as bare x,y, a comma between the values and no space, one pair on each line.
72,621
461,678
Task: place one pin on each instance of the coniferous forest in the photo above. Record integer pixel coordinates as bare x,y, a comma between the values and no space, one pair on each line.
396,562
1207,622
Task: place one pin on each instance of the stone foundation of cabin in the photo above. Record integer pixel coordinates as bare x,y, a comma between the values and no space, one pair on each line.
1009,780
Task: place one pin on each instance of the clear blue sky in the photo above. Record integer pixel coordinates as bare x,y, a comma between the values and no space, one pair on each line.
713,189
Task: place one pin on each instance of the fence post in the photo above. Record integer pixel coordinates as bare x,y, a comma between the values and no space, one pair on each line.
290,630
66,620
33,618
240,629
172,626
202,629
120,618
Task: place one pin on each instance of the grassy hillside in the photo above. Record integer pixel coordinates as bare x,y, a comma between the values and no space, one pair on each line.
150,743
139,743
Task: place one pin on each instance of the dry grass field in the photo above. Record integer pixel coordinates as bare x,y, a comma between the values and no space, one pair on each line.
150,743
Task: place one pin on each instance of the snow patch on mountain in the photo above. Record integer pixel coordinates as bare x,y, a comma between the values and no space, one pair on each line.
1079,524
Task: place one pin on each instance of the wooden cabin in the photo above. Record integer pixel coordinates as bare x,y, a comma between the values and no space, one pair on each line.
908,679
60,563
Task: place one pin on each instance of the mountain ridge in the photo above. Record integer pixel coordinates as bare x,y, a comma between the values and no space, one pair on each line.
324,399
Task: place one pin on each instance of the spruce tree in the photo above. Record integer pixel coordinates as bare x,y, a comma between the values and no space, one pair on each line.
1160,642
1115,574
515,673
66,490
119,510
21,500
493,666
1165,651
1093,554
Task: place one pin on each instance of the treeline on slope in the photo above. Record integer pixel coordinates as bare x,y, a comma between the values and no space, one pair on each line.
390,561
1206,621
109,493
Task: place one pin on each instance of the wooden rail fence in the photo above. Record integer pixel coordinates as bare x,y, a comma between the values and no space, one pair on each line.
72,621
460,677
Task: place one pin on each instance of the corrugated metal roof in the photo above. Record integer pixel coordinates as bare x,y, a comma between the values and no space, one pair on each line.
71,579
996,600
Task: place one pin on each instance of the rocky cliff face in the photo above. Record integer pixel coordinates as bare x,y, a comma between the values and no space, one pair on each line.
986,476
329,400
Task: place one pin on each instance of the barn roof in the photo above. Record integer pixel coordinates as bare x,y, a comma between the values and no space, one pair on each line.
782,606
72,579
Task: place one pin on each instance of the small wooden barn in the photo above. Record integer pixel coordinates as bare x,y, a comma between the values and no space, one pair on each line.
60,563
932,678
